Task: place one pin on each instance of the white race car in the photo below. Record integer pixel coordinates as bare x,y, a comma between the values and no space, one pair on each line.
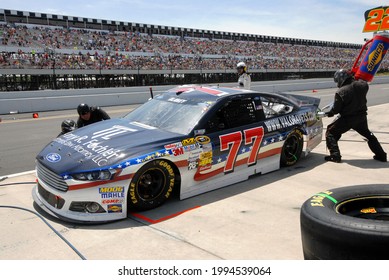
192,139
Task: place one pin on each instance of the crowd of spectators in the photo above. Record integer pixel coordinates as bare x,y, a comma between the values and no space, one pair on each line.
61,48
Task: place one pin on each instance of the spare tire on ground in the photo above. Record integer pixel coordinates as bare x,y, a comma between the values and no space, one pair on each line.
348,223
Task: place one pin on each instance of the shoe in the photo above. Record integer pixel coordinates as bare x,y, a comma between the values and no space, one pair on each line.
380,158
336,159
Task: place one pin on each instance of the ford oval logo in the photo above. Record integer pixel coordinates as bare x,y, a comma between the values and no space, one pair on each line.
53,157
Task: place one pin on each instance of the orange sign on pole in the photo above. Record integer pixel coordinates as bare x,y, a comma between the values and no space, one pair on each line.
377,19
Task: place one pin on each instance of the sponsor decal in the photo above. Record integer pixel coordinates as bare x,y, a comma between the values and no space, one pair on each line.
173,146
178,152
112,201
111,189
53,157
108,133
92,149
202,139
375,57
290,120
114,208
111,192
189,141
192,165
193,159
191,147
195,155
205,161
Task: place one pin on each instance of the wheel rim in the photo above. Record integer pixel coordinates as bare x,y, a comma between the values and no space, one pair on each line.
151,184
373,208
291,148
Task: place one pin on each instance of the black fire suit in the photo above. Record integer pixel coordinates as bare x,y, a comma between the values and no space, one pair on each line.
350,103
96,114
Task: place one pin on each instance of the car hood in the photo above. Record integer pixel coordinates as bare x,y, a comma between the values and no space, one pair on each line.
104,144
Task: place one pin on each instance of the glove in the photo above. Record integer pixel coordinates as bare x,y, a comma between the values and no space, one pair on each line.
330,114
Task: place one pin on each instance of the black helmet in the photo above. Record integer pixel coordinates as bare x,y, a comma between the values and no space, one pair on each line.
341,76
67,126
83,108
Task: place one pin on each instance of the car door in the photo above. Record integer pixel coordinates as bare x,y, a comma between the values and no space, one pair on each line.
233,135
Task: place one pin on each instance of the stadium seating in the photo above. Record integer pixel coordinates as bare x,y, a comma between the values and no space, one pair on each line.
38,47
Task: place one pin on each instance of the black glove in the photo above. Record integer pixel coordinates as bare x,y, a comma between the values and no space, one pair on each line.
330,114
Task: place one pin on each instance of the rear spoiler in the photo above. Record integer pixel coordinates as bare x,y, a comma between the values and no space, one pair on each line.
303,100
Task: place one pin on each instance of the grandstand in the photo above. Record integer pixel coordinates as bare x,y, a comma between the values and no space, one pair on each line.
41,51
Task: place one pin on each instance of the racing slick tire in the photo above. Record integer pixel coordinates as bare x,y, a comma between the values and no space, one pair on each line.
151,185
349,223
292,148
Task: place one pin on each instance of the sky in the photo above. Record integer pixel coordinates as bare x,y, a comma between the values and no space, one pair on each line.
324,20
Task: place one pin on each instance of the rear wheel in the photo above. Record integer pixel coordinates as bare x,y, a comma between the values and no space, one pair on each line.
151,186
292,148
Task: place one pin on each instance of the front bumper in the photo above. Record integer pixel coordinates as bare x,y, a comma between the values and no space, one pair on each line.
59,204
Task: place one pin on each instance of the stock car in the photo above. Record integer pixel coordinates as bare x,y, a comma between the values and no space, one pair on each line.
192,139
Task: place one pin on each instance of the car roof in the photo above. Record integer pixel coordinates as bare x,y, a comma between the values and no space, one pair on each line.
205,93
213,93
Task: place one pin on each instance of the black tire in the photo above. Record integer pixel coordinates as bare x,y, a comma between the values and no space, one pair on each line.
292,148
350,223
151,185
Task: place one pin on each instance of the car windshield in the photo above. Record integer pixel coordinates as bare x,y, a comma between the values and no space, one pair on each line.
176,116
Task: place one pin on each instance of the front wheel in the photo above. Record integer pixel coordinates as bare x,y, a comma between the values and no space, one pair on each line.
151,185
292,148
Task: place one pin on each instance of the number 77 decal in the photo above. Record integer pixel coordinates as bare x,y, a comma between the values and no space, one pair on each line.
235,139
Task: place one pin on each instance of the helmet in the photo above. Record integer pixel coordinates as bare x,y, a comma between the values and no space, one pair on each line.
67,126
242,65
83,108
341,76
